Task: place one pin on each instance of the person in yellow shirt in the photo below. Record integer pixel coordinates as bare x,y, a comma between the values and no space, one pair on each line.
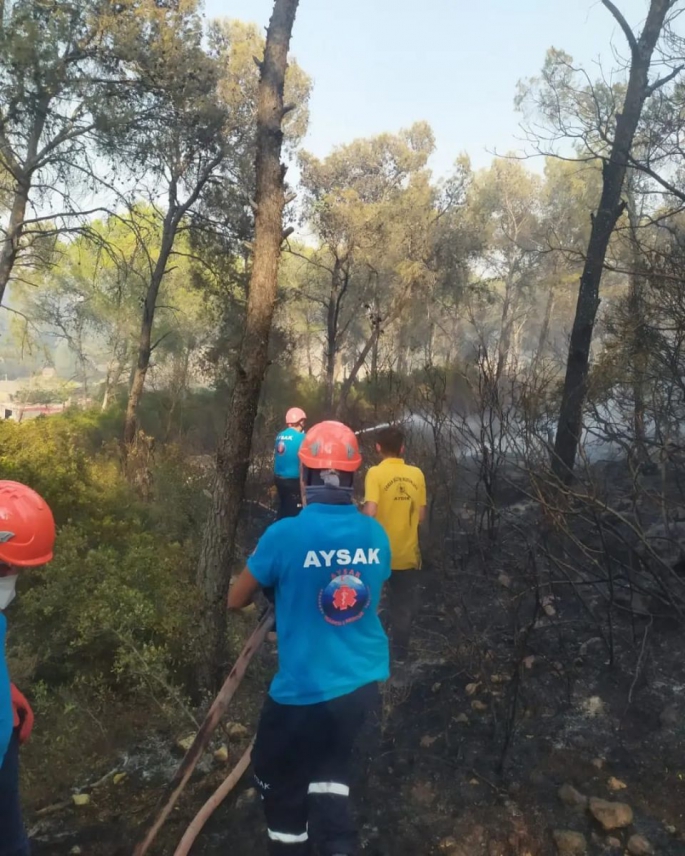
395,494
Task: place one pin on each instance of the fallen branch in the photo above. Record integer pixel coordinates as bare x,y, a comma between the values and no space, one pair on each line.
640,660
214,716
55,808
486,781
213,803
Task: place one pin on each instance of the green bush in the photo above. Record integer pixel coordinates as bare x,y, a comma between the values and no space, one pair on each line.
116,607
109,615
55,456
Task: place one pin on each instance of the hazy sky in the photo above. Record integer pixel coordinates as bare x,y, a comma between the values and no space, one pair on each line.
379,65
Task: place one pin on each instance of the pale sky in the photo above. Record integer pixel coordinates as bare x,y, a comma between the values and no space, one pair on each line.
379,65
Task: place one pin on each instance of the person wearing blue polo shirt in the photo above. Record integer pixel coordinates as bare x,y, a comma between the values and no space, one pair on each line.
287,463
26,541
327,567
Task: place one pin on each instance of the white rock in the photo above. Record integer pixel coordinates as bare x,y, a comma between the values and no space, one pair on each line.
612,815
639,846
570,843
237,730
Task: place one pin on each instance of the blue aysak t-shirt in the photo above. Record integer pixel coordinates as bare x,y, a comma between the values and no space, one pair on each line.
286,462
327,566
6,713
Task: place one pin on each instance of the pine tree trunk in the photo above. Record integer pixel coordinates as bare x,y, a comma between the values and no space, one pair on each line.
145,346
639,358
308,350
507,322
375,355
570,423
543,337
23,176
115,369
108,393
335,297
84,375
330,374
12,239
354,371
402,349
233,456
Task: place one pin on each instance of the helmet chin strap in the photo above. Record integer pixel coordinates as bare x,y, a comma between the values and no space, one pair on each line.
7,590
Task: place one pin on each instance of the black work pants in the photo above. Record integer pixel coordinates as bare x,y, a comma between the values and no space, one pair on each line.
302,760
289,497
404,592
13,840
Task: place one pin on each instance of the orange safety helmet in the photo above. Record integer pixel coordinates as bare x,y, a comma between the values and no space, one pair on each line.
294,416
27,527
330,446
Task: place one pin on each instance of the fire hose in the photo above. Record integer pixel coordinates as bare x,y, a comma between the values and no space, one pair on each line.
196,750
201,818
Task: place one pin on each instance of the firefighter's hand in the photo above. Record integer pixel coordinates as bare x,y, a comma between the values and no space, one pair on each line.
24,714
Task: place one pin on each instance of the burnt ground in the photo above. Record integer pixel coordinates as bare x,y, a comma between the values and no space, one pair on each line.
505,703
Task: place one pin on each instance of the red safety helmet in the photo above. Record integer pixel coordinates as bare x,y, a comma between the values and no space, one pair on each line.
27,527
294,416
330,446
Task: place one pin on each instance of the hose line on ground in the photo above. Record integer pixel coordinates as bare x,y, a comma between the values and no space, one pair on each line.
211,720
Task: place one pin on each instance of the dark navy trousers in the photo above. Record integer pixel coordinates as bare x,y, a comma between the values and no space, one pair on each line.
13,840
302,764
289,497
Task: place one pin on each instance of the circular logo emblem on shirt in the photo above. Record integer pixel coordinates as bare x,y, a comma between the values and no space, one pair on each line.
280,448
344,599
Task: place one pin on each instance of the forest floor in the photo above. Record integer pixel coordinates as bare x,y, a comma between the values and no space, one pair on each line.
467,757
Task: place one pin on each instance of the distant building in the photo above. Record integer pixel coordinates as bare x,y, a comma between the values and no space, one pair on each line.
21,412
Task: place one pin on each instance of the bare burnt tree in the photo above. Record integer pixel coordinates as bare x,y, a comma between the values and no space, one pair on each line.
605,123
233,455
610,208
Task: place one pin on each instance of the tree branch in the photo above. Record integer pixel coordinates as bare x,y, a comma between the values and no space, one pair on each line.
309,260
160,340
662,81
618,15
667,185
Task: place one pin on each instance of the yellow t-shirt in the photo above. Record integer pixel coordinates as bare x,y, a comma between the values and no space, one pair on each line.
399,491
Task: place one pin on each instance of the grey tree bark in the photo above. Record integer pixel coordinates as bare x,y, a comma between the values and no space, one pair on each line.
233,454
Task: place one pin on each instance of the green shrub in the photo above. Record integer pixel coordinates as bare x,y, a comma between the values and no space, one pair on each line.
117,606
109,614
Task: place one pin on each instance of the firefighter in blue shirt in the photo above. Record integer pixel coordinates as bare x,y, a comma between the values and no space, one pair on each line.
287,464
327,566
26,540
